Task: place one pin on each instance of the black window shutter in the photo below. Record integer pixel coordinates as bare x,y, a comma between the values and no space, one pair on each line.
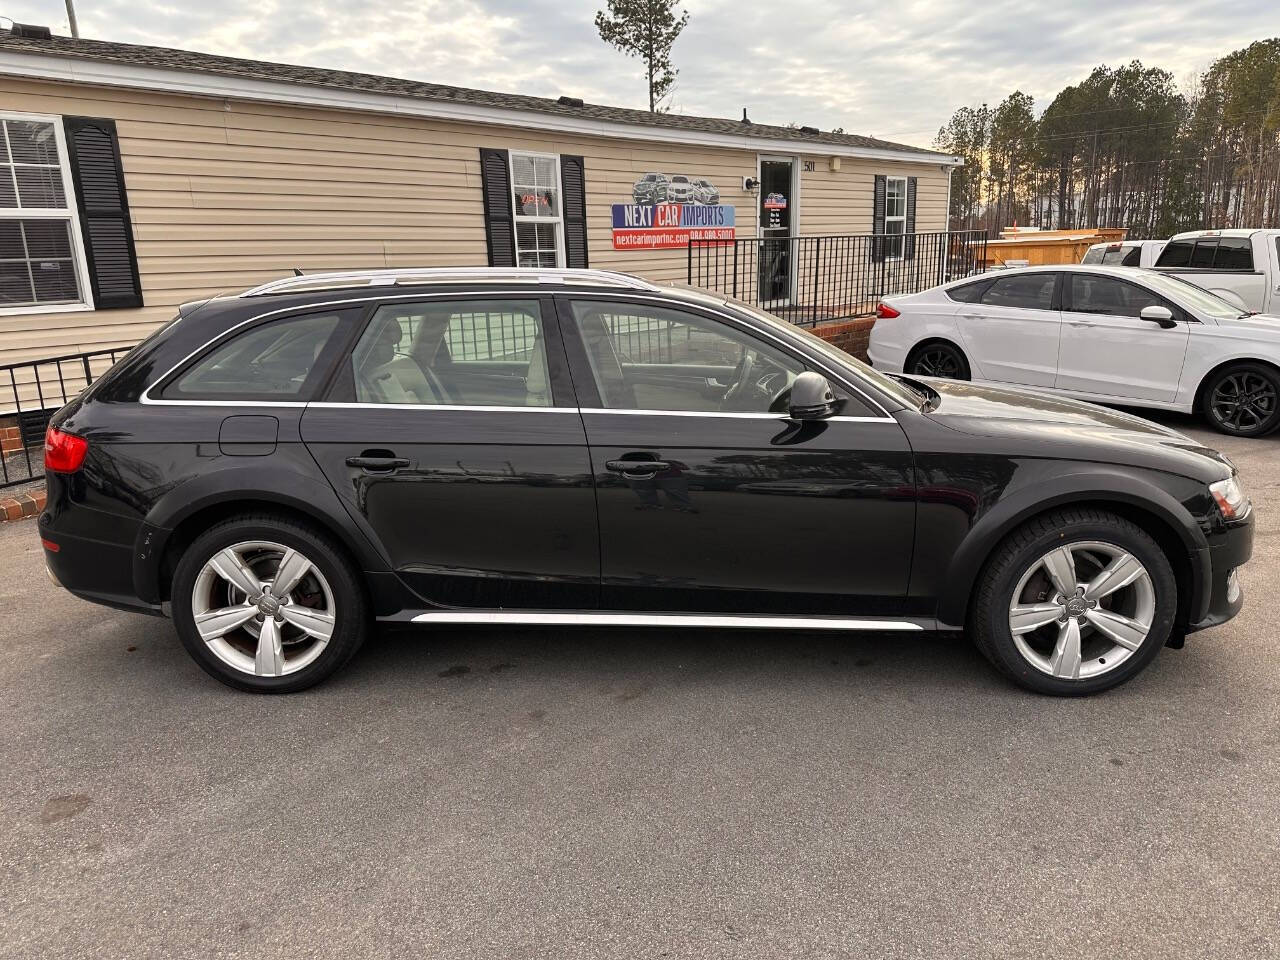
93,154
573,194
909,244
877,219
499,220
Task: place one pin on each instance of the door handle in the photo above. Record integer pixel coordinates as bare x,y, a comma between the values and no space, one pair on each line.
638,469
383,463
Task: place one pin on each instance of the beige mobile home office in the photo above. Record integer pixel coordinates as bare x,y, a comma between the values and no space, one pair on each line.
143,177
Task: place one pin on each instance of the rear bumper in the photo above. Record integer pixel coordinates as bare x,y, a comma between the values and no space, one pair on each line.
1221,593
95,570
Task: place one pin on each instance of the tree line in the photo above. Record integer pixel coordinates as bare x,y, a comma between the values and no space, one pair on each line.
1126,148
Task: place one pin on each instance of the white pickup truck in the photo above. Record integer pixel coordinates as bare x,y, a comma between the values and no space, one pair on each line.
1240,266
1125,253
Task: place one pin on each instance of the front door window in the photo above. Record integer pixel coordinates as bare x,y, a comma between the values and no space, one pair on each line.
776,212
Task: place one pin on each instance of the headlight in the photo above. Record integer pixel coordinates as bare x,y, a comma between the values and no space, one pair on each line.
1230,496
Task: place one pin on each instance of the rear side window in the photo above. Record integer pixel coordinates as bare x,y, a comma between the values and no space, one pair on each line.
1032,291
1132,257
1094,254
1177,253
1234,253
1202,256
279,360
969,292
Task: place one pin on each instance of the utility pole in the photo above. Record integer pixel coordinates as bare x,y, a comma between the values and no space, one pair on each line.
71,19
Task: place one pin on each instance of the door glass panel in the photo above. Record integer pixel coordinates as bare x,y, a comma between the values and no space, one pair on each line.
1176,254
470,352
271,360
775,228
1104,295
1203,255
1033,291
1234,253
649,358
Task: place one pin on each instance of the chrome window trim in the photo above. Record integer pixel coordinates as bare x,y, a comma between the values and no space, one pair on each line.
476,408
730,415
844,378
573,618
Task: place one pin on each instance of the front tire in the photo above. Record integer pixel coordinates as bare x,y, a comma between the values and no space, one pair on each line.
269,605
1243,400
1074,602
938,359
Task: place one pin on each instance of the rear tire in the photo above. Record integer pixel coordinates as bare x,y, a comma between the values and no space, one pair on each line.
1242,400
1102,631
938,358
245,626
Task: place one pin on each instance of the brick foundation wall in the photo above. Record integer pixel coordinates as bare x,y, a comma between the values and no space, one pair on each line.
10,436
851,336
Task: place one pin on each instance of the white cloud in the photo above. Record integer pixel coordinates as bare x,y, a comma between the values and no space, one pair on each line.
893,70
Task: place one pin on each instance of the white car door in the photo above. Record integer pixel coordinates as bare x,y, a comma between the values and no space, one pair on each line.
1010,332
1108,349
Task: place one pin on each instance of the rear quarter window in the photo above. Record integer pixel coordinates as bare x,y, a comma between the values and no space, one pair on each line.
1094,255
968,292
1234,253
278,360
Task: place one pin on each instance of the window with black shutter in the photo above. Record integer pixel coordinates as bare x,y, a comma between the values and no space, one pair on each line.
93,155
574,192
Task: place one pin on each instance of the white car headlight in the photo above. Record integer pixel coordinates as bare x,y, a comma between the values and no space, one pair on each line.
1230,497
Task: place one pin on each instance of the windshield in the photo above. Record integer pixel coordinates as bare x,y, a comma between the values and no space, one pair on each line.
1189,295
900,391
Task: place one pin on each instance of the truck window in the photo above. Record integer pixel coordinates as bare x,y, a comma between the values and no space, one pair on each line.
1177,253
1132,257
1234,253
1203,255
1094,254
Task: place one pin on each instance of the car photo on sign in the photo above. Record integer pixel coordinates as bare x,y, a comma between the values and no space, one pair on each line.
655,188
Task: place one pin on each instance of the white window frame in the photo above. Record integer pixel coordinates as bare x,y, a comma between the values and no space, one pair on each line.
519,218
902,243
70,213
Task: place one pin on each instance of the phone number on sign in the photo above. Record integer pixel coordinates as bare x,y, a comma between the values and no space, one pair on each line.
668,239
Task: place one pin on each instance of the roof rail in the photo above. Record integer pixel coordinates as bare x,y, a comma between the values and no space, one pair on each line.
416,277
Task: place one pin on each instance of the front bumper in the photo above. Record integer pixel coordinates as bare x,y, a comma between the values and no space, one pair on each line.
1221,595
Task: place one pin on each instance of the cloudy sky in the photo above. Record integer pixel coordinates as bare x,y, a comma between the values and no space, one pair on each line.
892,70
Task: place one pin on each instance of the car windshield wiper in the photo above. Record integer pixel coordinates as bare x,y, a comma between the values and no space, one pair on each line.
929,397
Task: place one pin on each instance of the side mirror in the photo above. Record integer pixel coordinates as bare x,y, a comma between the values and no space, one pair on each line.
1160,315
811,397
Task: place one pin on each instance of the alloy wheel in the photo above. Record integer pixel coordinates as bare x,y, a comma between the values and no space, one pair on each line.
1243,401
937,362
263,608
1082,610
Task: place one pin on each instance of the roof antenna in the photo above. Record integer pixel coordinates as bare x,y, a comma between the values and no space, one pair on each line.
297,272
744,115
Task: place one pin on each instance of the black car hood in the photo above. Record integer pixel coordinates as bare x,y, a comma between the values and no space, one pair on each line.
1028,415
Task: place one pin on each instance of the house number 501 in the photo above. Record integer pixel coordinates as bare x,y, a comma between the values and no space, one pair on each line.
809,166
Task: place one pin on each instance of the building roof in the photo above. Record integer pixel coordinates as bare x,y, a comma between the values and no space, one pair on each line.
669,124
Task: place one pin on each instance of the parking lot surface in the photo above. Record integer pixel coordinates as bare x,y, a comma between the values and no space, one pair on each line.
631,793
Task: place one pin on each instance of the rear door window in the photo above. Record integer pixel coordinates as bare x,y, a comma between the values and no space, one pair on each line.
1177,253
1031,291
1234,253
279,360
1203,254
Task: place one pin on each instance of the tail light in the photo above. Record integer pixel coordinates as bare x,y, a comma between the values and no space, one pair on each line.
886,312
64,452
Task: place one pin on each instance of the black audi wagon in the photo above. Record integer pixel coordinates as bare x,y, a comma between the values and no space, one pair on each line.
277,470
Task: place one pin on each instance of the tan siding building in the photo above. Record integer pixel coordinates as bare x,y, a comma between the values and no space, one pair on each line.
235,176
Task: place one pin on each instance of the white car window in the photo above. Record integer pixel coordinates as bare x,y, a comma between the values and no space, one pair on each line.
1031,291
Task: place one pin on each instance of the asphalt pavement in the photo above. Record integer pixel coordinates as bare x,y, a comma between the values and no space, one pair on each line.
488,793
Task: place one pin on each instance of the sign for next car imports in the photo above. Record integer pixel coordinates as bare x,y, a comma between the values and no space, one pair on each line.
664,226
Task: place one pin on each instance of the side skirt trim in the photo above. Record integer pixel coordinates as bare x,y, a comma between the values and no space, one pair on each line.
574,618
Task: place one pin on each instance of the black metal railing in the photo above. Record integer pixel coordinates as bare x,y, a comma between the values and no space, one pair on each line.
807,280
30,393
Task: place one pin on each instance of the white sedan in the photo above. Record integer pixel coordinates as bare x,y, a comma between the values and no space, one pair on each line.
1108,334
